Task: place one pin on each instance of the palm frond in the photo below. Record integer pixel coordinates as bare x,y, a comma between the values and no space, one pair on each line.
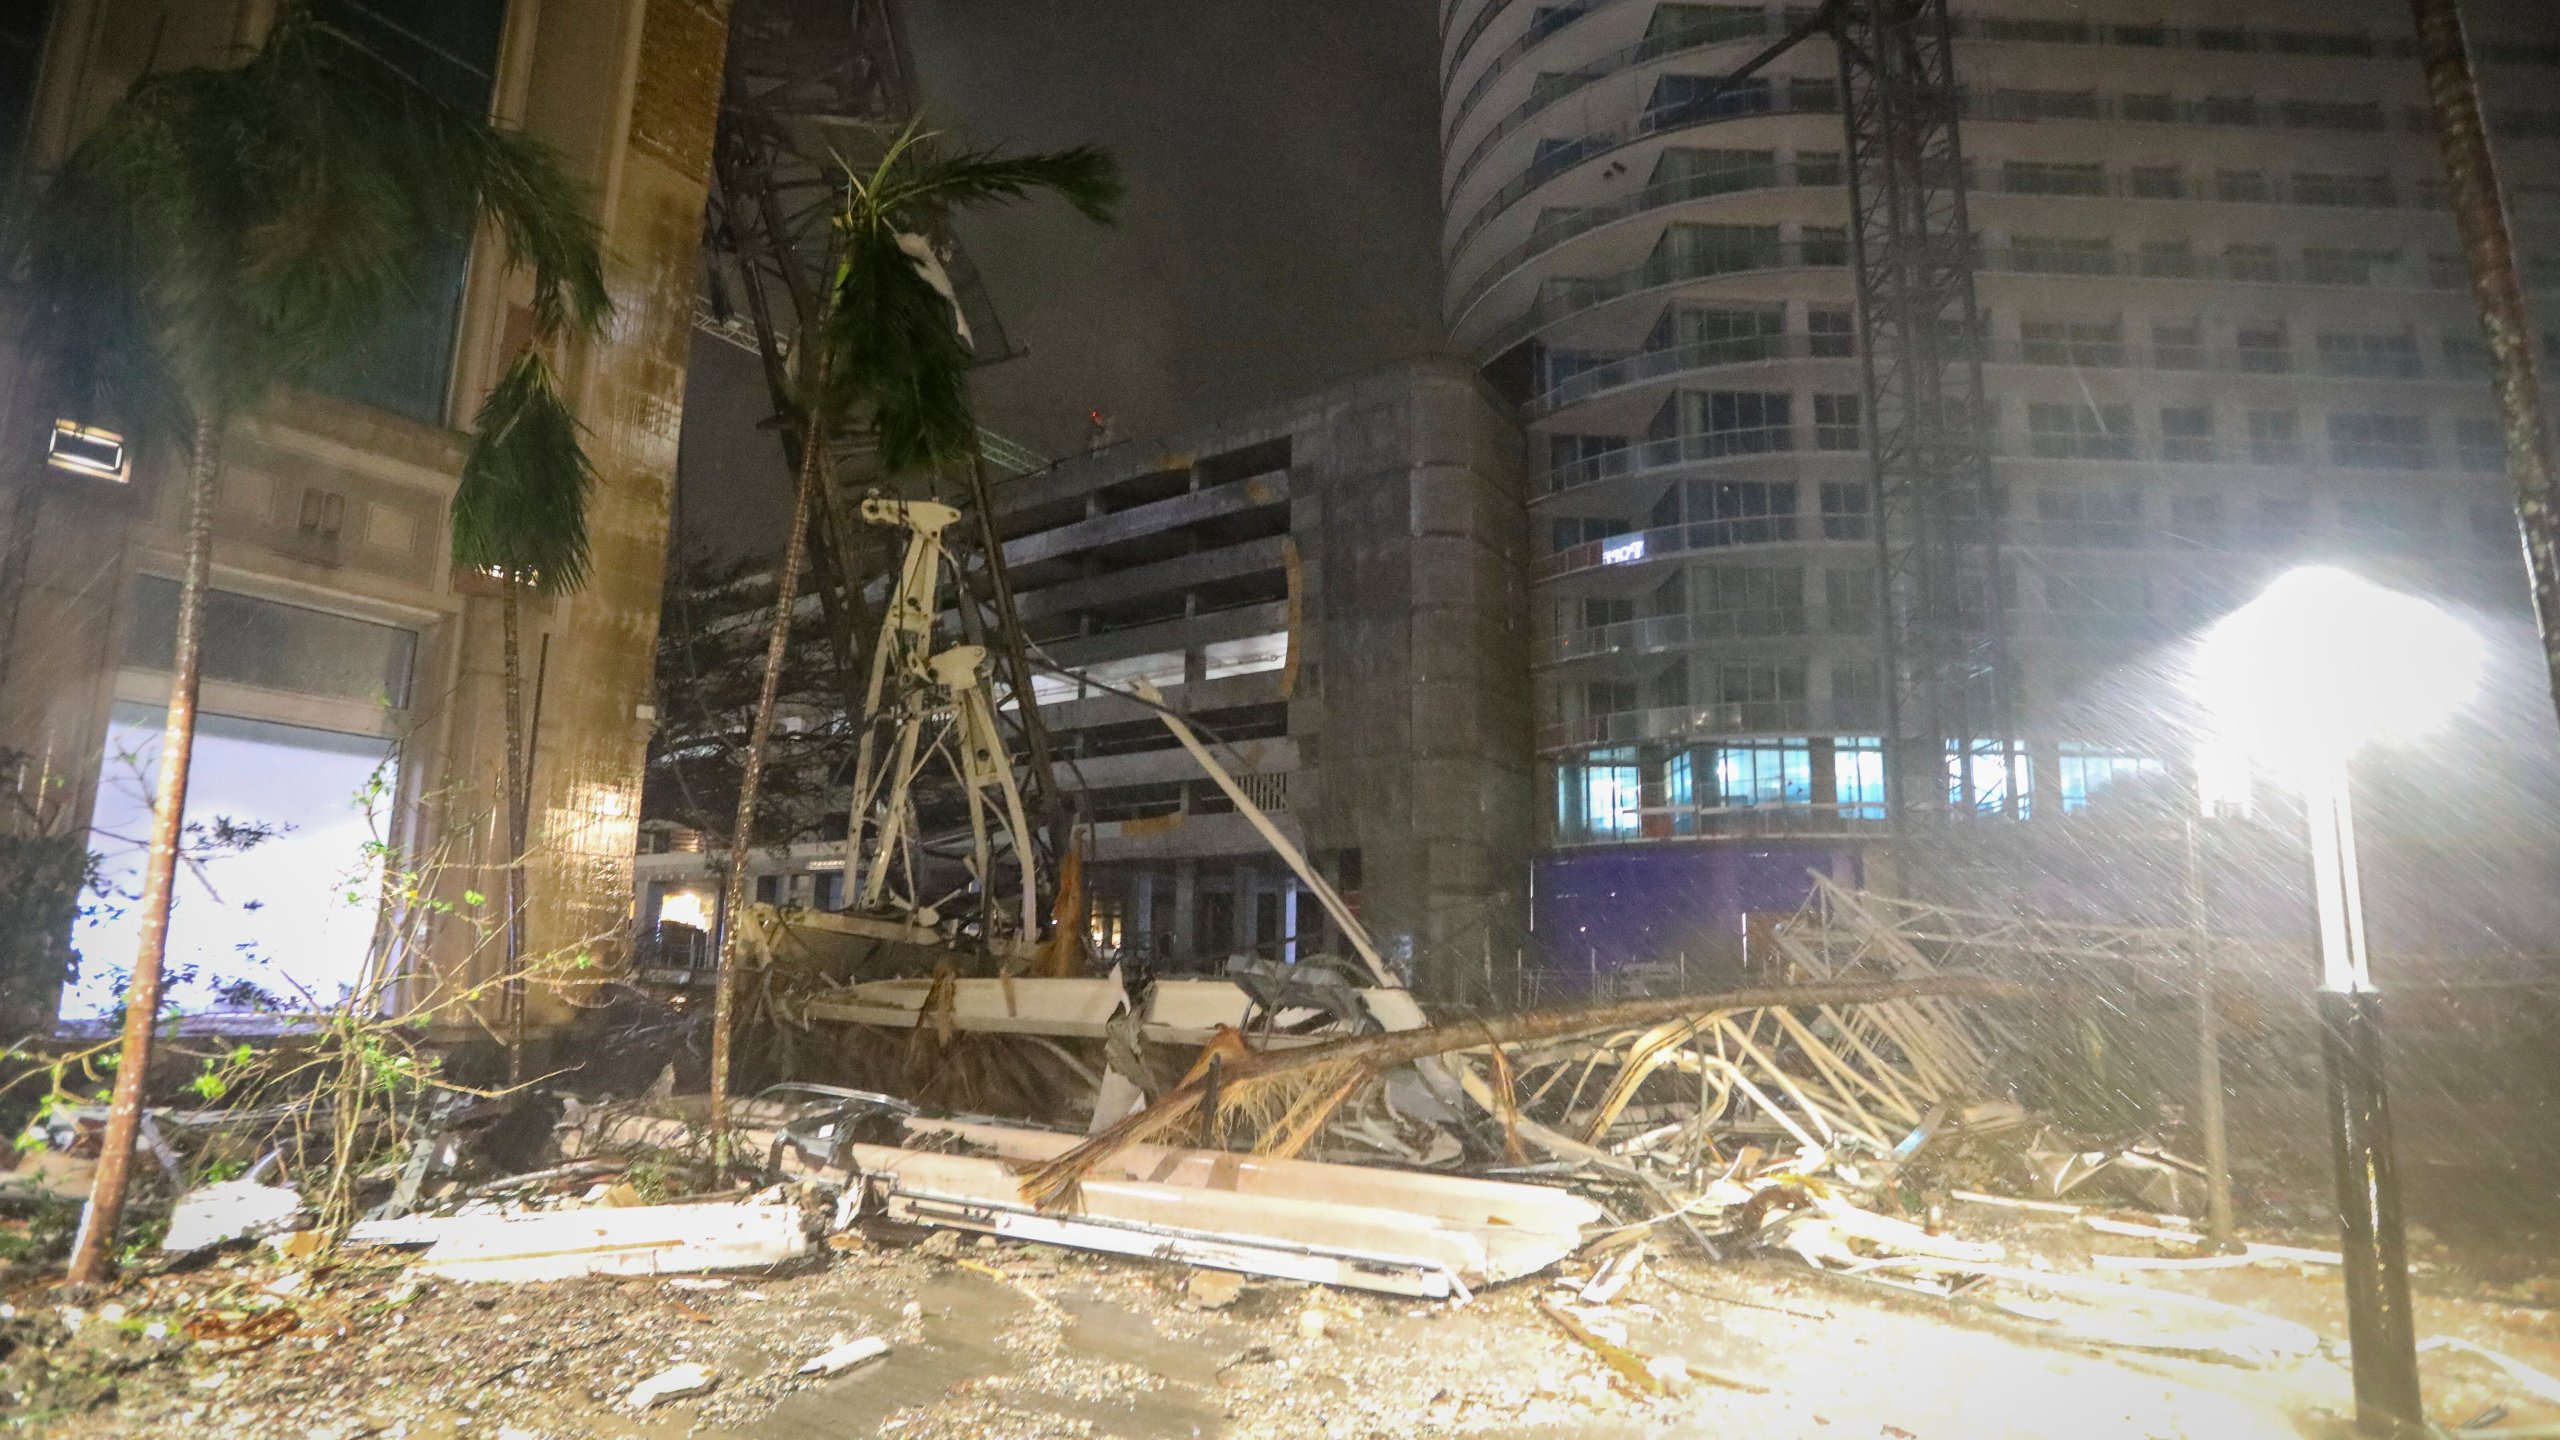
520,510
226,229
897,354
1085,176
897,360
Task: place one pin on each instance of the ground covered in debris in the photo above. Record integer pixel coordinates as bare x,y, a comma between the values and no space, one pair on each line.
1004,1340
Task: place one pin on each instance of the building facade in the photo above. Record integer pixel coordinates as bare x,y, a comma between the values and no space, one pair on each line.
340,645
2226,328
1330,589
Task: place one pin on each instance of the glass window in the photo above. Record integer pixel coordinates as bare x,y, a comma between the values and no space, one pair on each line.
1722,334
1680,791
2178,346
2252,262
2047,177
2167,258
2083,770
2264,348
2244,186
449,47
1990,789
1763,772
2196,521
1715,172
1601,798
2378,442
274,646
1739,422
2093,606
1679,99
2094,341
1739,512
2282,521
2089,432
1857,774
2050,105
1819,167
2063,255
1835,423
2346,265
1849,603
2154,182
2481,445
22,31
1826,245
290,914
2186,432
2388,522
2365,191
2388,356
2275,437
1845,506
1834,332
1690,249
1752,599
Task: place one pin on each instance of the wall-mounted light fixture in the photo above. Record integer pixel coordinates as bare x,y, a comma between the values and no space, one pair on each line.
88,450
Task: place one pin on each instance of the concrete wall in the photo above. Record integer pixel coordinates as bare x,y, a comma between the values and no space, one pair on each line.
1414,653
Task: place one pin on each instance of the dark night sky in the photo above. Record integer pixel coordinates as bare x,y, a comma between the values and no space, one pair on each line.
1280,229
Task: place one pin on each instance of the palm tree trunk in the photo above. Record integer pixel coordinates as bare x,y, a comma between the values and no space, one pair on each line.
105,1213
516,801
777,645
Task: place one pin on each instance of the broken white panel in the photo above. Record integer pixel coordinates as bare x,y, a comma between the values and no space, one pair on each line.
1073,1008
564,1244
1179,1012
1399,1232
233,1209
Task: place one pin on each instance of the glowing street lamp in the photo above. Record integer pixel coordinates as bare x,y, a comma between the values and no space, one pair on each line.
2320,665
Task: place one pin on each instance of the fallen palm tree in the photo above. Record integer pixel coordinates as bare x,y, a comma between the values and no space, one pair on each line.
1287,1095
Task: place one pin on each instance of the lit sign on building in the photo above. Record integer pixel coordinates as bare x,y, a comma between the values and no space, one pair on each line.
1624,552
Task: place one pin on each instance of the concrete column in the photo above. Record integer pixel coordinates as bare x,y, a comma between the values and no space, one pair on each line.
1248,931
1142,913
1186,905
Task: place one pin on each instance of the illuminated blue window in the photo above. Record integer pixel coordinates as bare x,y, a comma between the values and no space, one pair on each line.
1764,772
2083,770
1601,799
1857,776
1990,790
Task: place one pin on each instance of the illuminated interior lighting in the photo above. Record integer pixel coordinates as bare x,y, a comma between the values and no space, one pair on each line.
88,450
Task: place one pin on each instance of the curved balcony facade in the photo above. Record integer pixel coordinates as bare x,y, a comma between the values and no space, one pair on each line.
2225,325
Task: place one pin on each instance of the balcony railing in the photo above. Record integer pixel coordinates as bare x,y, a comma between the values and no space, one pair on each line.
1561,228
1647,365
1781,97
1719,30
1565,296
1650,365
1681,722
1556,18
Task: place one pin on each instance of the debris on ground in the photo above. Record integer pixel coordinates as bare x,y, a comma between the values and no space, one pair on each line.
231,1210
672,1383
842,1355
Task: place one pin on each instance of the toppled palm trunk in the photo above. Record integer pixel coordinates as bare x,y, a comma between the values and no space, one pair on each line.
1291,1093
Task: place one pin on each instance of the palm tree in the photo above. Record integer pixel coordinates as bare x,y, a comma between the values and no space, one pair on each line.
226,231
520,514
890,355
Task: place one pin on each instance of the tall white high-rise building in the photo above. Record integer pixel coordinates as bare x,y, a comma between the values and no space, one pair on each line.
2226,329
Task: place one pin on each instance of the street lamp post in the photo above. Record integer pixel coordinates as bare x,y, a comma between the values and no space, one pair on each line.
2320,665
